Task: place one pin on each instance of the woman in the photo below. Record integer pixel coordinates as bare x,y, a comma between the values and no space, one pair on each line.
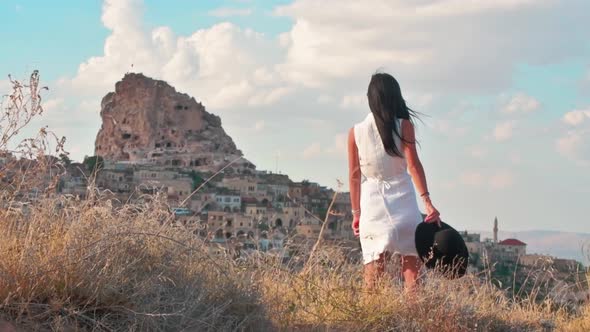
383,162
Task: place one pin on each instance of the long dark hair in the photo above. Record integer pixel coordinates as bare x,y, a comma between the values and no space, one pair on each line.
388,105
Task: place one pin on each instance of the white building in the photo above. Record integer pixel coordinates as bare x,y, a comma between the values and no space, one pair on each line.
229,202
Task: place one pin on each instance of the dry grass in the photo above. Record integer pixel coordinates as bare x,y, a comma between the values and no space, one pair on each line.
84,265
331,297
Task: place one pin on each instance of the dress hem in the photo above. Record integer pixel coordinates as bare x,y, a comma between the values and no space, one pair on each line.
365,262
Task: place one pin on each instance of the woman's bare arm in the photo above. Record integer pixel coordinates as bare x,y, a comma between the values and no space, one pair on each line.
354,178
416,169
354,172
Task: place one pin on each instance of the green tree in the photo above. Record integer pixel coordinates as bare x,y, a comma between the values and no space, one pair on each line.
263,226
197,179
93,163
65,160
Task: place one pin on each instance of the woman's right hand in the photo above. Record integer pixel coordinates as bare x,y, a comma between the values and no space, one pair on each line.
355,224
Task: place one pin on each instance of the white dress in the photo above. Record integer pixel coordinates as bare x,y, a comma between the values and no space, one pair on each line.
389,210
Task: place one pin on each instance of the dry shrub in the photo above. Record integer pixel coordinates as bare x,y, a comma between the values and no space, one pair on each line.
77,264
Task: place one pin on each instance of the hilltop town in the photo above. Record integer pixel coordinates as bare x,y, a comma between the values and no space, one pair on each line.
154,140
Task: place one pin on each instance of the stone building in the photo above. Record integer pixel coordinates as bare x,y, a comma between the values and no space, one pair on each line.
309,227
246,185
255,210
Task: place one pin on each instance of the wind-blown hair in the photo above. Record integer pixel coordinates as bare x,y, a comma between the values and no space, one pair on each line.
388,105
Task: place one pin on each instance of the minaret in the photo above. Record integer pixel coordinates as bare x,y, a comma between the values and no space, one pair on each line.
496,230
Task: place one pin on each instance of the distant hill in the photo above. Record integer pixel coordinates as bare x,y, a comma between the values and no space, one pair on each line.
559,244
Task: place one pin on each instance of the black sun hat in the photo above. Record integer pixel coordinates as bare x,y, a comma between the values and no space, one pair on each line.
442,248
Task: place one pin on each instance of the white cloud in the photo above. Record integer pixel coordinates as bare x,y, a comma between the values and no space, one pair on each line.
269,97
516,158
577,117
259,125
312,151
575,141
501,180
354,102
504,131
51,105
340,147
325,99
575,145
458,7
494,179
5,87
448,127
341,143
224,65
477,152
228,12
521,103
335,40
419,101
472,178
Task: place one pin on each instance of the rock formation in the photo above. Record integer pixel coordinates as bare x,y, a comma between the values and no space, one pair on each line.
147,121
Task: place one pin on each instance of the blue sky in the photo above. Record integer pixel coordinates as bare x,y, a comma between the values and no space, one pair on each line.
505,86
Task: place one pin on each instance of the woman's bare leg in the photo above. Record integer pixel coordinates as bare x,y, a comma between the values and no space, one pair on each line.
410,270
374,271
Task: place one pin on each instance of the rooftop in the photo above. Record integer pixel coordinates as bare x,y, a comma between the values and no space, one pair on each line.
512,242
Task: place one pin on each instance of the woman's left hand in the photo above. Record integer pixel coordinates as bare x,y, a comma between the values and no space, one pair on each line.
433,216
